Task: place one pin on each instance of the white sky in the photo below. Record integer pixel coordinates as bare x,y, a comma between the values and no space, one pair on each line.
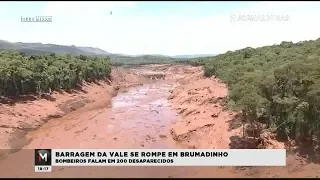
90,24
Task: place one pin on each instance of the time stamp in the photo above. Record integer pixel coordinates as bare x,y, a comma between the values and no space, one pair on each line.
258,18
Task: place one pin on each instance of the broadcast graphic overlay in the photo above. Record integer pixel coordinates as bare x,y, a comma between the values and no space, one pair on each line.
42,160
46,158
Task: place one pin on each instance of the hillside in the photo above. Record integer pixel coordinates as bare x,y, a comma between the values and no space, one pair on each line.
193,56
278,86
46,49
42,49
145,59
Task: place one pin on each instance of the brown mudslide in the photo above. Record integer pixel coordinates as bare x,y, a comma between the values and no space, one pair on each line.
184,110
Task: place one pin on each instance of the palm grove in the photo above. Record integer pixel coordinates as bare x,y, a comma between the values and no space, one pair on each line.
276,85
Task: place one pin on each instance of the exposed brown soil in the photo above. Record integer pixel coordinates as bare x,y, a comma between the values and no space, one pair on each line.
181,110
206,123
30,112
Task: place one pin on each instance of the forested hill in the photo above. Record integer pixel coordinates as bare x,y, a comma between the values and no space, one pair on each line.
45,49
194,56
145,59
277,85
29,49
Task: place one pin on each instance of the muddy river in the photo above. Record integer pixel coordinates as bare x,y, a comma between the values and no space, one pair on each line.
145,113
140,117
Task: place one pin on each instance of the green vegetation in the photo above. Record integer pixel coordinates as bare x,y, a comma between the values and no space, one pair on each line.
39,49
117,60
21,75
276,85
198,61
46,49
36,74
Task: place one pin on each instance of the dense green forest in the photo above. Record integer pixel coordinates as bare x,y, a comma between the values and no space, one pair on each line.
21,75
46,49
276,85
146,59
40,49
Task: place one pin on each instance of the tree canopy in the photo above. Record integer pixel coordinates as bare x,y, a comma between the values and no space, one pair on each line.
21,75
278,85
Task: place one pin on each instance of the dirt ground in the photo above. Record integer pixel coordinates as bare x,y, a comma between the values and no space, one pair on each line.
18,117
206,123
179,108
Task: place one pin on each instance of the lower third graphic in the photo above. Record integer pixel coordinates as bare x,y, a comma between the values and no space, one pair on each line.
42,159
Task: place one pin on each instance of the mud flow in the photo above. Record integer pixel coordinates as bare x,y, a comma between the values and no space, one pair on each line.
154,105
141,117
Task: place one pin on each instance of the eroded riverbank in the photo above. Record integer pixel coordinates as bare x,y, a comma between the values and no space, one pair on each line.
28,113
142,117
139,117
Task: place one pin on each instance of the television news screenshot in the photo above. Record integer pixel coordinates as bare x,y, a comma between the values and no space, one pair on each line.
159,89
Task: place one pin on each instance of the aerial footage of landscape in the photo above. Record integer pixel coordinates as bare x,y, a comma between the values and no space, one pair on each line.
160,75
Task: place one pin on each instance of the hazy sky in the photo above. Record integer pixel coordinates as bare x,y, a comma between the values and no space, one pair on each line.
168,28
